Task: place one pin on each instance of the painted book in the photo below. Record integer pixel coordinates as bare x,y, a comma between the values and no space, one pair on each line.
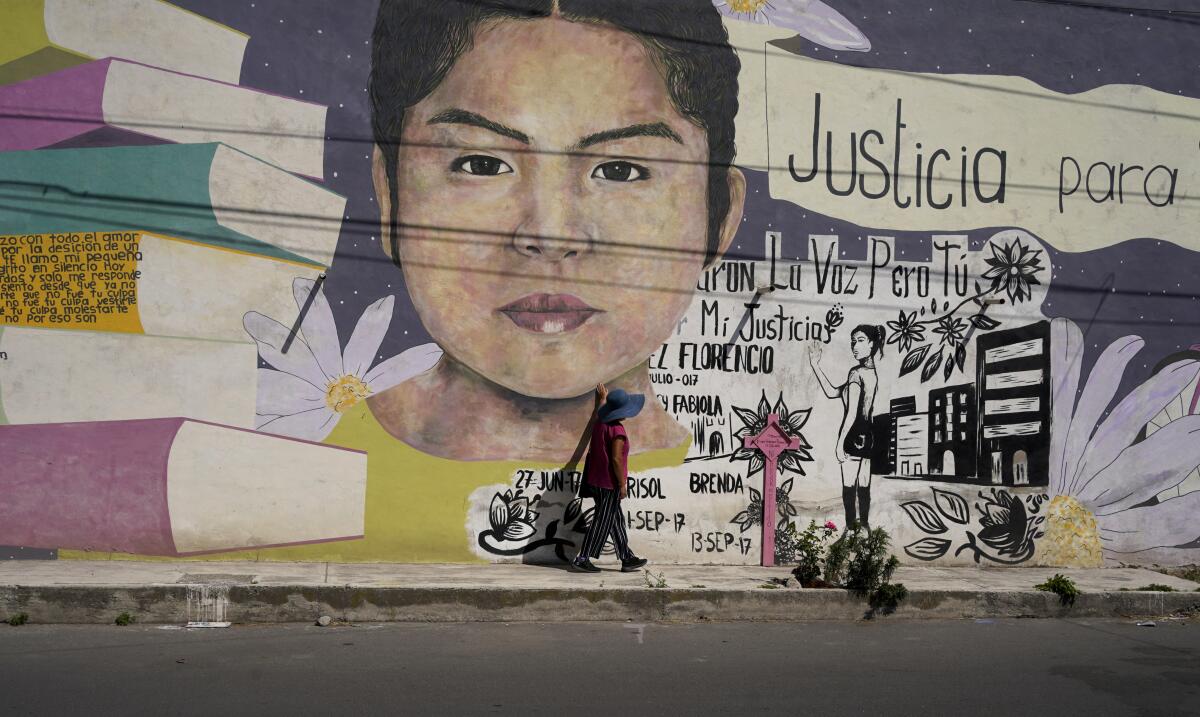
42,36
174,486
208,193
49,376
115,102
141,283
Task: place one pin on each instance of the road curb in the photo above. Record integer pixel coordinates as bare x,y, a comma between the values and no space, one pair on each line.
100,604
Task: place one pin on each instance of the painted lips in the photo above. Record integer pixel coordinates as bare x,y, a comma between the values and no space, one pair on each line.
549,313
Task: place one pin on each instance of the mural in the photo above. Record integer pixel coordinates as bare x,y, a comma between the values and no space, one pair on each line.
286,282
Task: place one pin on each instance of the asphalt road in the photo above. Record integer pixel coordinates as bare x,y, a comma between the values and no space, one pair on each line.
1002,667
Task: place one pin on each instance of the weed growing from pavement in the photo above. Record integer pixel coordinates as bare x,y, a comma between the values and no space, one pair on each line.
655,581
1062,586
125,619
18,619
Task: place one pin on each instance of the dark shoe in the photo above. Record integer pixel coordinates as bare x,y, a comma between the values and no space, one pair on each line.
584,566
628,566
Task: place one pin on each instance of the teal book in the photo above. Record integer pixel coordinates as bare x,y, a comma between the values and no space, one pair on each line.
207,193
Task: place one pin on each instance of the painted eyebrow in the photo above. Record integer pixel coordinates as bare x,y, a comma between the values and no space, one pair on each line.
651,129
459,116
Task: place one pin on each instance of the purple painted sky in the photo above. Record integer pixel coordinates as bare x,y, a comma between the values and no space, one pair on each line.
322,54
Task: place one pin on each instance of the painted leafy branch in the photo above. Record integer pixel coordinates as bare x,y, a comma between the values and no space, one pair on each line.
754,421
511,520
1012,271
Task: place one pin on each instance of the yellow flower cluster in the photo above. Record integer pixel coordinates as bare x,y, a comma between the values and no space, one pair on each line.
344,392
746,6
1072,539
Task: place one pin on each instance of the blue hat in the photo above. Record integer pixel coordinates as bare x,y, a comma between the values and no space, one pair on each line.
621,405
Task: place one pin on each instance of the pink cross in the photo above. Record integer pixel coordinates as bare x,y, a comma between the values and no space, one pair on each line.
771,442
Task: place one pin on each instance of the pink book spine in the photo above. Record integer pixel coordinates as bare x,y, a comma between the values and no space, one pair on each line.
46,110
87,486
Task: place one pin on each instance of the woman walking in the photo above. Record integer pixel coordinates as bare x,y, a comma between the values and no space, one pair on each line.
854,441
606,479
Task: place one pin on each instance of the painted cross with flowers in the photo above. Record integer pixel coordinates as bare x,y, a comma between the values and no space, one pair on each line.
770,442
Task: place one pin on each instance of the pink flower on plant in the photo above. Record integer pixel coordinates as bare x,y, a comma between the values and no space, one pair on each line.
830,525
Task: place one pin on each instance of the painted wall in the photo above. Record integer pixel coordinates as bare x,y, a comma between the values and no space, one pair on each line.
953,255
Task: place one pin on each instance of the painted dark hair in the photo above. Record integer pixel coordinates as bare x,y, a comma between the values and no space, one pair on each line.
874,333
417,42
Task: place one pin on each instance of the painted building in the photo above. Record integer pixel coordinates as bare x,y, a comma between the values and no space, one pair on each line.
337,281
1015,405
953,445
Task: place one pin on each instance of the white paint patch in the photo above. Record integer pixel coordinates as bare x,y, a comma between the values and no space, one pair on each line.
1021,349
1014,379
1013,429
1012,405
207,605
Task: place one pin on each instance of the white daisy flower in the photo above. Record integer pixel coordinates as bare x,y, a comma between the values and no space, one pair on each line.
812,19
1107,476
316,382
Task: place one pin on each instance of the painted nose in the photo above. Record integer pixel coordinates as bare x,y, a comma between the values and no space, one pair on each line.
552,230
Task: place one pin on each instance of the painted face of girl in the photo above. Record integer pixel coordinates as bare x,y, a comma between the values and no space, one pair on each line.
553,206
860,346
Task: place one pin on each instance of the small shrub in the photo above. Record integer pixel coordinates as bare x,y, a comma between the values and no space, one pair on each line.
18,619
862,561
888,596
787,541
125,619
1156,588
1191,573
1062,586
808,550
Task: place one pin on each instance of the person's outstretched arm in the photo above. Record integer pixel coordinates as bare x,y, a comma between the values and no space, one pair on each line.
814,360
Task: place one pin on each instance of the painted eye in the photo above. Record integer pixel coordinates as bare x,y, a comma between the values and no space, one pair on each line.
621,172
481,164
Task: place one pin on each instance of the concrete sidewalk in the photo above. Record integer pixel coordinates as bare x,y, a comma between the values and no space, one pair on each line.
249,592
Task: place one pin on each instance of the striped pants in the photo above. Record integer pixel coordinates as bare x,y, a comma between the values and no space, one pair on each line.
607,520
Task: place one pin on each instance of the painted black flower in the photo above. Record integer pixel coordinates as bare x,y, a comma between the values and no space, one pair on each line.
753,514
1013,269
951,330
1005,525
906,331
510,516
754,421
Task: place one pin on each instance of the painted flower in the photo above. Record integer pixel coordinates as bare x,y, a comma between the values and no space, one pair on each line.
1106,483
906,331
511,517
1013,269
1005,526
753,514
315,382
754,421
812,19
834,317
951,330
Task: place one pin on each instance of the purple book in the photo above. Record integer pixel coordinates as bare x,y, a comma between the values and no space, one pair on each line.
114,102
